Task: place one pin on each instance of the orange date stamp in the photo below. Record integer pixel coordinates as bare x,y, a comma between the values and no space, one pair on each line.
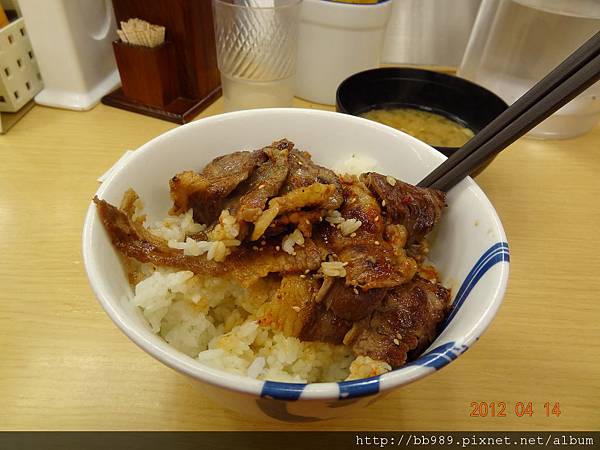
518,409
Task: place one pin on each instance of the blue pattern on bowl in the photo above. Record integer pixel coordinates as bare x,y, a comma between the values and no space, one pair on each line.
439,356
359,388
282,391
496,253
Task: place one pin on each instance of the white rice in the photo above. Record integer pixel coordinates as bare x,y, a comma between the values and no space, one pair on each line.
227,229
176,230
349,226
346,226
364,367
260,353
289,241
334,218
156,293
214,319
192,247
356,164
333,268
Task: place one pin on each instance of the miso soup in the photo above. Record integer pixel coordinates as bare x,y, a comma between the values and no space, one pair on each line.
434,129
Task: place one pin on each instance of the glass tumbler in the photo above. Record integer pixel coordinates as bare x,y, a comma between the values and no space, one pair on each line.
256,51
515,43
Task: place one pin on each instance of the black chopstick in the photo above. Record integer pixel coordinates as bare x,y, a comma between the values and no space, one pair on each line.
564,93
580,59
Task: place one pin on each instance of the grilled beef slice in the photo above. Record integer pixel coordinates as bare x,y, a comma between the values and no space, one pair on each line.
418,209
406,321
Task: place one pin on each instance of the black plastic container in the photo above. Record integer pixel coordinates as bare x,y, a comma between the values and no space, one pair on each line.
393,87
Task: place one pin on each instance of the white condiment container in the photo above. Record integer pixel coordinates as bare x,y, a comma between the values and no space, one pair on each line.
336,40
72,43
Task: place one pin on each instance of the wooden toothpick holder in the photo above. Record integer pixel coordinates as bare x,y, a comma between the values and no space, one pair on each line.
148,75
178,81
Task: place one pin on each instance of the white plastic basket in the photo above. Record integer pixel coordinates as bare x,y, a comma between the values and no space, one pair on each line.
20,77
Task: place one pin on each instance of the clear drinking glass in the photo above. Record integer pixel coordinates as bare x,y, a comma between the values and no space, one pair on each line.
256,51
515,43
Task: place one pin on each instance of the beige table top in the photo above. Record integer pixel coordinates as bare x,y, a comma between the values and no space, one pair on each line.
64,365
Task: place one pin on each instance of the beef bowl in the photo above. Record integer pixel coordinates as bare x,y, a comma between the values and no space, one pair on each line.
252,348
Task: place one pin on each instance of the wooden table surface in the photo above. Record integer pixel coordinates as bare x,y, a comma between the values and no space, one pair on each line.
65,366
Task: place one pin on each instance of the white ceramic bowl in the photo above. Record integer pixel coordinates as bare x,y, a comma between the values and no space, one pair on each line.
469,248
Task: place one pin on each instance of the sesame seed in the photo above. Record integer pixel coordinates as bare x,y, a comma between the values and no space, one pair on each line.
307,271
398,335
307,222
277,247
263,242
320,219
376,242
261,186
377,219
353,235
396,341
383,203
260,249
296,308
355,291
344,264
254,247
302,276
